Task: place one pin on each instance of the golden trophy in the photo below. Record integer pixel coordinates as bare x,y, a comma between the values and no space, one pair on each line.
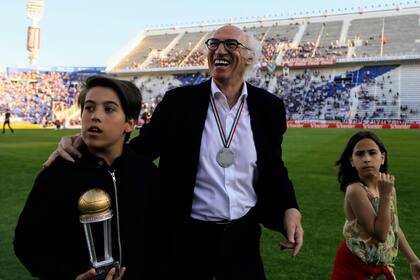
95,215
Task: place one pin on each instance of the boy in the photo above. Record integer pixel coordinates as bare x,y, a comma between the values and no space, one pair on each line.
49,238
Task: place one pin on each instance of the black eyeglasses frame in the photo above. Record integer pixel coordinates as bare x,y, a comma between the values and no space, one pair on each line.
233,47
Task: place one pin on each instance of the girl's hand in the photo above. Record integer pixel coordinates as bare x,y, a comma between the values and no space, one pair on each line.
385,184
415,270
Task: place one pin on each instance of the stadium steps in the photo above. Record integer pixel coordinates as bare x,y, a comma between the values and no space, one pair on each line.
371,71
410,90
153,61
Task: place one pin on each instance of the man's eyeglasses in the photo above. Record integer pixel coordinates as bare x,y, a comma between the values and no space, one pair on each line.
230,44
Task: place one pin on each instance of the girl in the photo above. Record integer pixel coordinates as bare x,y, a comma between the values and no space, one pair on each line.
371,232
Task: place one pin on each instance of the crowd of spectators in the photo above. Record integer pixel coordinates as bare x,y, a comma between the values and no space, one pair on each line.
302,51
270,50
305,95
196,58
272,45
173,59
309,95
38,97
310,51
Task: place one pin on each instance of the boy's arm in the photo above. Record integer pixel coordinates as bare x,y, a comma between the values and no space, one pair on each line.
36,244
28,237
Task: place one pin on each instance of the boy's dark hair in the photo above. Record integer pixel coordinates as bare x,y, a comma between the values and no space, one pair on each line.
347,174
128,94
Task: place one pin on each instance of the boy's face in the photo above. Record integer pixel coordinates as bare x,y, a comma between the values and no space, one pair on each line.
104,123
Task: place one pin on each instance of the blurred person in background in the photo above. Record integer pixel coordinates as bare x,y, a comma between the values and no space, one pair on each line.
7,121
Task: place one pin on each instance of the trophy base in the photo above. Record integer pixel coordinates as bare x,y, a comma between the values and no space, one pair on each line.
102,271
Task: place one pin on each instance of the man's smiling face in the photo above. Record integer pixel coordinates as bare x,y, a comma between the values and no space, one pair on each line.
228,65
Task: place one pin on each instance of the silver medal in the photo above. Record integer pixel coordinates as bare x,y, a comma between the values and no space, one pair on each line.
225,157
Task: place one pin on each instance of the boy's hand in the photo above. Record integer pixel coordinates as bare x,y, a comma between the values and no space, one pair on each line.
88,275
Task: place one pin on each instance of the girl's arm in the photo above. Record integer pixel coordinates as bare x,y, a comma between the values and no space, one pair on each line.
408,252
375,224
411,257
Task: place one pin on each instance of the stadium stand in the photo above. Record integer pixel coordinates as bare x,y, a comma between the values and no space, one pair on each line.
401,33
355,67
351,35
45,97
352,67
150,47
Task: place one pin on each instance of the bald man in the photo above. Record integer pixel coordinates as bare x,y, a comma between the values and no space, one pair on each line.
221,168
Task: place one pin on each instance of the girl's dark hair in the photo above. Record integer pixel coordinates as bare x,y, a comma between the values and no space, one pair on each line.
128,94
347,174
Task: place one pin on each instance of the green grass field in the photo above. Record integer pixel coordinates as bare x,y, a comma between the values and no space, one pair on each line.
309,155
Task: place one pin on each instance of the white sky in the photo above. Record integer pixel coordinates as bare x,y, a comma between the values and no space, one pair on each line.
91,32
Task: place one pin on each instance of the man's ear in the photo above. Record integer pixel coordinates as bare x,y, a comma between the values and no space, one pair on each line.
250,58
130,125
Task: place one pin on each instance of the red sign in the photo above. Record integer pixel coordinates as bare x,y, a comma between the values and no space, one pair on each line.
308,62
34,38
351,125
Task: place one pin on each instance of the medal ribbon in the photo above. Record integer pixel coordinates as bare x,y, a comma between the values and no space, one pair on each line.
226,141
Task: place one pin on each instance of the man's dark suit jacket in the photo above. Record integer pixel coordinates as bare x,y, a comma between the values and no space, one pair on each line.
174,134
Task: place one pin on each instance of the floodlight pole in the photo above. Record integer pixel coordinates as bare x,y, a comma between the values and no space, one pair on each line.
35,11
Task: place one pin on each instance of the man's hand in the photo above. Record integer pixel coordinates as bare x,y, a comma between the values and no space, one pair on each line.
67,149
294,230
88,275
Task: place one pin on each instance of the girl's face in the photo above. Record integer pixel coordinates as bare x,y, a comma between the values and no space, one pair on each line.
367,158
